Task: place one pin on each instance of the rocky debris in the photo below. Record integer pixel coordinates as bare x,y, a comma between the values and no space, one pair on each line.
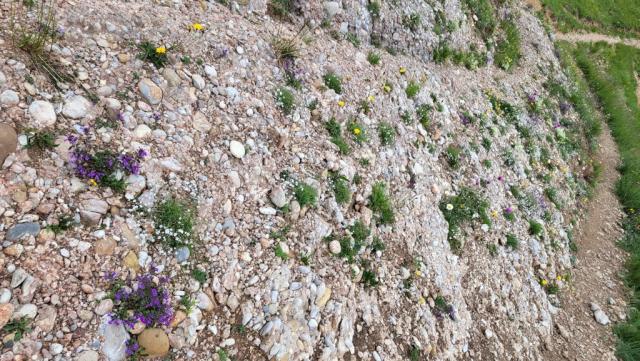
9,98
8,141
599,315
268,264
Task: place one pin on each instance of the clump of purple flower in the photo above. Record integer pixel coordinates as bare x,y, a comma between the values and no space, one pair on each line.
144,299
104,167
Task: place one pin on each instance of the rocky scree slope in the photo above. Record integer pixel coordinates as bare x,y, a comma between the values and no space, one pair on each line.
496,153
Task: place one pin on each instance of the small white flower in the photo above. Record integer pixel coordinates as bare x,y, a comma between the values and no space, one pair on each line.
485,227
449,206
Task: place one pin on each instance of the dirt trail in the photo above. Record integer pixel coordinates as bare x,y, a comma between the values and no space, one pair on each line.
595,37
596,278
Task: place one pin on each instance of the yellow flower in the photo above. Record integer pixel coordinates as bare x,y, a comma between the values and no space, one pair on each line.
341,103
371,98
494,213
403,70
418,273
421,300
92,182
357,131
559,278
544,282
386,88
197,27
161,50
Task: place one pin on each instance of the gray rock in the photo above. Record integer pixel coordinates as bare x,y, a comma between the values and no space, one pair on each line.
42,113
56,348
210,71
331,8
88,355
105,306
76,107
22,229
8,141
135,185
5,295
182,254
29,287
237,149
28,310
150,91
198,81
9,98
95,205
204,302
115,342
19,275
46,318
171,77
599,315
278,197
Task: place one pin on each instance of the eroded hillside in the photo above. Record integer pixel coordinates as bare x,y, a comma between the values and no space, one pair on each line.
318,181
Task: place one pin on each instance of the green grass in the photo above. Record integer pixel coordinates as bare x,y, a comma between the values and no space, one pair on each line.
386,133
335,131
65,222
508,49
285,100
380,203
412,89
483,10
423,112
373,58
19,326
333,81
452,155
610,73
40,140
535,228
281,8
148,53
374,9
305,194
199,275
340,186
411,21
616,17
512,241
280,253
359,231
460,209
174,222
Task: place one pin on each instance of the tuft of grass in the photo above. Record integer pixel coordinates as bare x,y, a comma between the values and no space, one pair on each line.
378,245
423,111
552,194
508,49
149,52
199,275
512,241
374,8
353,39
340,186
285,100
414,353
174,222
187,303
411,21
380,203
357,131
461,209
40,140
452,155
373,58
20,326
280,253
286,48
359,231
535,228
369,276
412,89
335,131
65,222
333,81
305,194
281,8
386,133
483,10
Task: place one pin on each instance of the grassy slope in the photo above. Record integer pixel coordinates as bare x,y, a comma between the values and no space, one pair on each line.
615,17
610,72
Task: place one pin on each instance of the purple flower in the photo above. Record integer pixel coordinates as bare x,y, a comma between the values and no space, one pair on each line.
121,116
564,107
110,276
132,347
72,139
508,210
